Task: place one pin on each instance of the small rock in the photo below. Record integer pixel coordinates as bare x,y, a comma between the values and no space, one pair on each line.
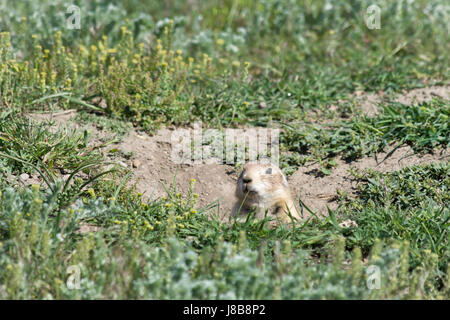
348,223
136,163
85,228
103,104
24,176
141,137
122,164
262,105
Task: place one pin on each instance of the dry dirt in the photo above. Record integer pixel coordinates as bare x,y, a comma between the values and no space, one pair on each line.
217,182
153,168
152,165
368,102
318,192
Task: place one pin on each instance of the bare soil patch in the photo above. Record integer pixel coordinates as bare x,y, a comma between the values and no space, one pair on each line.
368,102
319,192
154,169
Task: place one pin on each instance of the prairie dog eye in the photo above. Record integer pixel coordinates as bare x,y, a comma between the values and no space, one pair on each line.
269,171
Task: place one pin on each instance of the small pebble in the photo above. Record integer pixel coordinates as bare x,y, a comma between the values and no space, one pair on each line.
136,163
122,164
24,176
262,105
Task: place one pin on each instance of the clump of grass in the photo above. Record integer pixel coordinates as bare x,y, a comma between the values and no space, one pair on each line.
116,129
424,127
407,188
410,204
40,144
146,86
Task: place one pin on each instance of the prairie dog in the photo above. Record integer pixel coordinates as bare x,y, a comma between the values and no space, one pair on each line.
263,187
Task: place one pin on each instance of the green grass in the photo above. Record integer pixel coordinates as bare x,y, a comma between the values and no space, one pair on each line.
175,258
424,127
270,63
38,144
293,55
114,129
408,204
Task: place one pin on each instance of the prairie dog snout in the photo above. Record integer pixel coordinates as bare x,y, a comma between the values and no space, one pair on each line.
263,187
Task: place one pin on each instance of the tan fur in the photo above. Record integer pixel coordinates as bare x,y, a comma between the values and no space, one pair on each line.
263,187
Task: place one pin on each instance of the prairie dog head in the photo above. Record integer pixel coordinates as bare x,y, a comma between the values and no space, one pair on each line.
259,180
264,189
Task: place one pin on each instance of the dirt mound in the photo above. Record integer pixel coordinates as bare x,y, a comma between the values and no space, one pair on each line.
153,168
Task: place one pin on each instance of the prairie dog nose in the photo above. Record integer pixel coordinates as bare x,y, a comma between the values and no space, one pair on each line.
246,180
